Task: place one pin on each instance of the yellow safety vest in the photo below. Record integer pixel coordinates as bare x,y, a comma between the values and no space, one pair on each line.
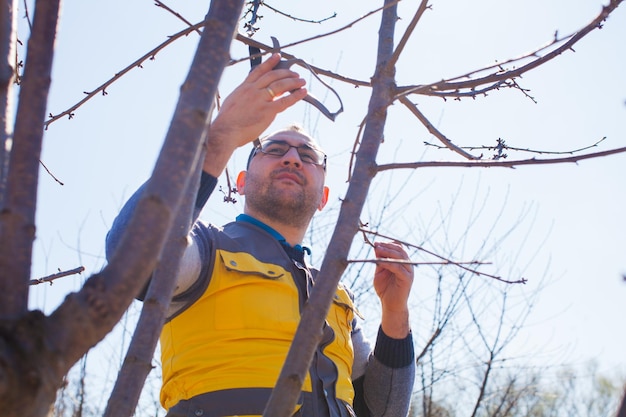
237,334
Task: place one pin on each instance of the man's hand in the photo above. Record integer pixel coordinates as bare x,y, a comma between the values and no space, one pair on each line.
392,282
250,109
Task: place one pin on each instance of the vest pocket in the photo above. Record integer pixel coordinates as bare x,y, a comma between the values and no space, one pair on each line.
253,295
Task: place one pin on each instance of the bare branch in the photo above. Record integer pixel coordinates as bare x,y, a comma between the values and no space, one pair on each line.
498,79
447,261
299,19
433,130
428,345
404,262
17,222
136,64
57,275
501,146
500,163
346,26
8,75
51,174
27,15
162,5
409,31
307,337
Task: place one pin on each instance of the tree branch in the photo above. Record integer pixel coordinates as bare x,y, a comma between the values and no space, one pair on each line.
445,260
447,88
299,19
500,163
138,360
433,130
60,274
8,71
308,334
501,146
409,31
17,220
136,64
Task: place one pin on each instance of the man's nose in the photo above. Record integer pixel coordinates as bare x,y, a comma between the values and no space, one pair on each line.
292,156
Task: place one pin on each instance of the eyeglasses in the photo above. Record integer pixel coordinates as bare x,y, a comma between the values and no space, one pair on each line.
278,148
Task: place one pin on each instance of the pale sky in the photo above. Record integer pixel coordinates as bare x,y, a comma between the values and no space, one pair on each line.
569,238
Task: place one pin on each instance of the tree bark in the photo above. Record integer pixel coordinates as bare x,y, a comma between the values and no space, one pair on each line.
17,218
37,351
285,393
8,38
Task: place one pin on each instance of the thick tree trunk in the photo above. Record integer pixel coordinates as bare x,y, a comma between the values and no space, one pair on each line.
26,366
218,34
17,218
37,351
8,29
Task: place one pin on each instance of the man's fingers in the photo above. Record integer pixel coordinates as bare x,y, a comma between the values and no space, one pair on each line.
393,251
263,68
390,250
289,100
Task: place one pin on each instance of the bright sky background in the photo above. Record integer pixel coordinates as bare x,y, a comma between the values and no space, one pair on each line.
570,240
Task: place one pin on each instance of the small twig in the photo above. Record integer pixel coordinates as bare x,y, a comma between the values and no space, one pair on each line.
253,11
298,19
27,16
228,197
433,130
162,5
366,239
50,173
59,274
445,260
405,262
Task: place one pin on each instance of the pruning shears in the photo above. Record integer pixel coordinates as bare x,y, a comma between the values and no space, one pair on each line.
255,59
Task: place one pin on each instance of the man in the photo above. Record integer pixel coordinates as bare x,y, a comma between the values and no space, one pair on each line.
241,288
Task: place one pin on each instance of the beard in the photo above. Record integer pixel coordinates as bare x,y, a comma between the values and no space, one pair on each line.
292,206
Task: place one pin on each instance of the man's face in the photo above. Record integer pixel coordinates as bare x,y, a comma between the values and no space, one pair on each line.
287,188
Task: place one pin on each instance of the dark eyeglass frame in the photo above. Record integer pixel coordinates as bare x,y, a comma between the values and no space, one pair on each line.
258,147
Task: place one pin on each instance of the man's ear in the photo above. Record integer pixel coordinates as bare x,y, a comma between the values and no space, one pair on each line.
241,182
324,200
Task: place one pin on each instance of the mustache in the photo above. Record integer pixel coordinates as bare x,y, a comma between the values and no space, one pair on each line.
290,171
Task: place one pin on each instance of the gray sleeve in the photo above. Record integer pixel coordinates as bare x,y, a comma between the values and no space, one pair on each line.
121,222
386,376
362,351
206,187
388,390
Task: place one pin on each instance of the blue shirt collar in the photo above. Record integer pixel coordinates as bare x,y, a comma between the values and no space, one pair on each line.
249,219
